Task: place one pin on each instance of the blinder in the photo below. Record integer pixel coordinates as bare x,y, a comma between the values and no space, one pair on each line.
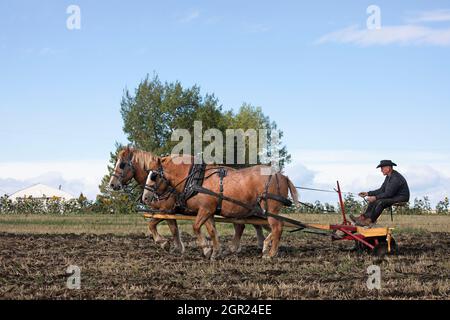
155,187
122,166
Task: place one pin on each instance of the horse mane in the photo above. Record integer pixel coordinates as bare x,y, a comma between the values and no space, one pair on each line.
143,158
186,158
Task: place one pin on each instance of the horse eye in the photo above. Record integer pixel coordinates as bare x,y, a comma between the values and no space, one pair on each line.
153,176
122,165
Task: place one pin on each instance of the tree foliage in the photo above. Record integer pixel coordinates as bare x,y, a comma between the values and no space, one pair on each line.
156,109
443,206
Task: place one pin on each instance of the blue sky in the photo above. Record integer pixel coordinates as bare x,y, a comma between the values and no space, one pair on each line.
332,86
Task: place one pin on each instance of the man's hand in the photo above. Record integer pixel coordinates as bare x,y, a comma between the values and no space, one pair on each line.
372,199
363,194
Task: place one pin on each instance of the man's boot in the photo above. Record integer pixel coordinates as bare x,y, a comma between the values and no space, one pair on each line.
364,222
354,219
337,235
361,221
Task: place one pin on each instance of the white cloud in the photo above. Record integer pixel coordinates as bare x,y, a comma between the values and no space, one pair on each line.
299,172
47,52
440,15
189,16
413,32
256,27
52,179
402,35
213,20
74,176
428,173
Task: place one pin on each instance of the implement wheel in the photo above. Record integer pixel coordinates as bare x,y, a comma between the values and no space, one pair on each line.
380,246
381,249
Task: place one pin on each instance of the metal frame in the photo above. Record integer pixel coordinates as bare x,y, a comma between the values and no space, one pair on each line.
355,233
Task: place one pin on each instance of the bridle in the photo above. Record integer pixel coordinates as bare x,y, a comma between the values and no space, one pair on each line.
122,166
154,188
154,175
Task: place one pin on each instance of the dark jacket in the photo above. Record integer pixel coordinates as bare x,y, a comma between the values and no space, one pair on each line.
394,185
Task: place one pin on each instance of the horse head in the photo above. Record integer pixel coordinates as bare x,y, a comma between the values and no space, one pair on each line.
157,187
123,170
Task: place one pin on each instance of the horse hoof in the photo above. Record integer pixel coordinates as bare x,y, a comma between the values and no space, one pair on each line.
217,254
178,249
266,257
233,249
207,253
166,246
174,250
215,257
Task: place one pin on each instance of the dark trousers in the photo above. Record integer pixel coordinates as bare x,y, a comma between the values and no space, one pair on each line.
375,209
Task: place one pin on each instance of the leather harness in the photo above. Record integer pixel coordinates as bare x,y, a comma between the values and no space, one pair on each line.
194,185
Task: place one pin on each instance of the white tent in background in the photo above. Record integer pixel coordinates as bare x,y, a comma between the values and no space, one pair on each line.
41,191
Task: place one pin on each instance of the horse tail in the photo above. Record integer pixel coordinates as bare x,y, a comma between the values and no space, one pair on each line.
293,191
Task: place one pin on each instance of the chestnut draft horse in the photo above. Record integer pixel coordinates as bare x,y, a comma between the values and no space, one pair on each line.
134,164
236,193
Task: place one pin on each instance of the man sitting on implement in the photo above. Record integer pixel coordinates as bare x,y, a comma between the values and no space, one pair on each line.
394,190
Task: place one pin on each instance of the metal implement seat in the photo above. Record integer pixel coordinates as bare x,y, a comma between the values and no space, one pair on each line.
398,204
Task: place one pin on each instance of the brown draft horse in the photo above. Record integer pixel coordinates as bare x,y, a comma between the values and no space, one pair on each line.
245,185
134,163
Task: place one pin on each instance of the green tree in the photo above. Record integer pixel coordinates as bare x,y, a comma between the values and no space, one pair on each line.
156,109
351,205
443,206
251,117
422,206
110,201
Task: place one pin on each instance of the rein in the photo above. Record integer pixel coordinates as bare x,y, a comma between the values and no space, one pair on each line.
122,166
120,176
154,188
171,189
198,188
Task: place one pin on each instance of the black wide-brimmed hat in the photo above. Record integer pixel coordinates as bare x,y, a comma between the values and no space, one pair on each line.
386,163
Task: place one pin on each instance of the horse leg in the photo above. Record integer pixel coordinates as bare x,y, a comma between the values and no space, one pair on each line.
200,219
235,246
210,226
266,244
277,230
159,239
173,226
259,236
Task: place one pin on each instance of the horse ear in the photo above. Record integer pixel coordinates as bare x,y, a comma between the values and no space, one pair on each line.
120,154
165,159
129,149
129,152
